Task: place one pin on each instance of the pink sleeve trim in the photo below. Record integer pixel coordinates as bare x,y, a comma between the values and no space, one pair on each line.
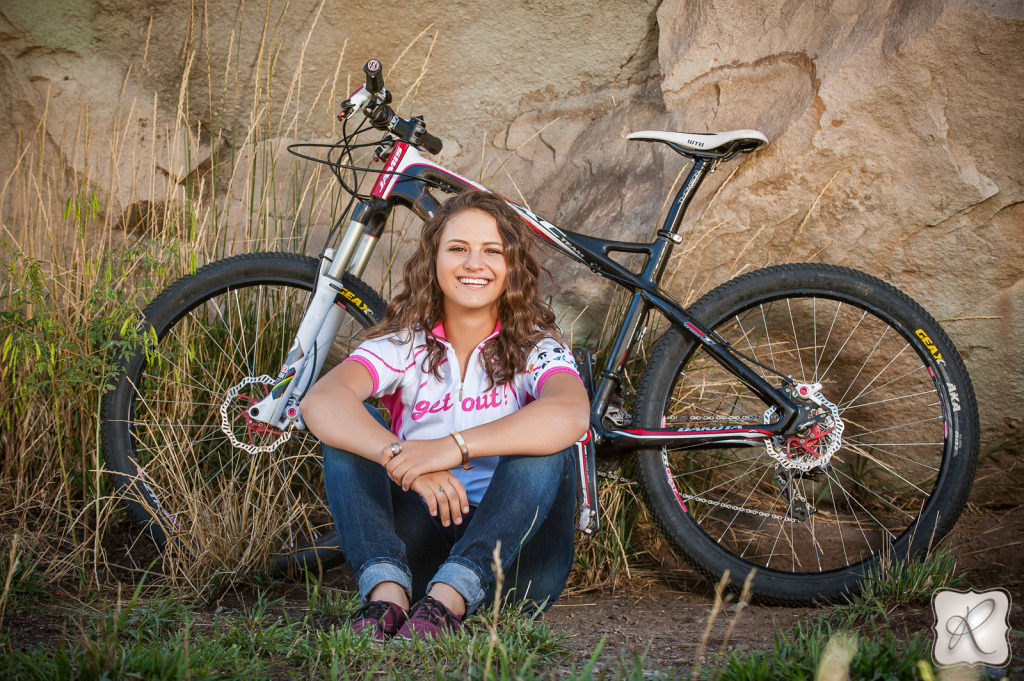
369,367
551,372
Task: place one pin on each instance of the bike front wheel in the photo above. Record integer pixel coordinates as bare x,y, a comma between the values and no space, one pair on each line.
812,519
170,455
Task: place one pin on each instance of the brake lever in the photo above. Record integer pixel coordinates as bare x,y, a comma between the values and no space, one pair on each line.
355,101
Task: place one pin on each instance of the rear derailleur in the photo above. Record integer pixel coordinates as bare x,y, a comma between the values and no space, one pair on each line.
798,506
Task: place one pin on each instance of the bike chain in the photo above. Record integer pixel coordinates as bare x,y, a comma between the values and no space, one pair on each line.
616,478
739,509
702,500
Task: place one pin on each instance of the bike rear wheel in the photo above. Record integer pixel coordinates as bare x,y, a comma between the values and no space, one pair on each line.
812,522
173,466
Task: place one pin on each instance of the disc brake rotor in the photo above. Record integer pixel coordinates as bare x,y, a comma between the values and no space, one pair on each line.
816,447
235,419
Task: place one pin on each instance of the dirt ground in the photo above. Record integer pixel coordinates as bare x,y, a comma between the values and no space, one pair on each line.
662,616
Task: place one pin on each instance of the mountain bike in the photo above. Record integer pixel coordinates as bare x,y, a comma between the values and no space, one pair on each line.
806,420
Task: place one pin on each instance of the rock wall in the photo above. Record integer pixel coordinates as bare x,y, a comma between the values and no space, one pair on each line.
895,139
895,127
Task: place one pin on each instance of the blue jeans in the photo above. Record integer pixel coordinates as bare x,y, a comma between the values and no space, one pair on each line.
388,535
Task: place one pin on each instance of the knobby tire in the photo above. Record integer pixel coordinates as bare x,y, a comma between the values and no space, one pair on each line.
909,449
169,461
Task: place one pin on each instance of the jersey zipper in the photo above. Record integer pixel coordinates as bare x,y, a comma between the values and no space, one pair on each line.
453,364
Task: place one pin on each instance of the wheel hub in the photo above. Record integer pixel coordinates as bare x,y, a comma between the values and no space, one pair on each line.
238,424
822,439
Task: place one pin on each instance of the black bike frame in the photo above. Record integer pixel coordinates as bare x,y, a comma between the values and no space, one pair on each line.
411,190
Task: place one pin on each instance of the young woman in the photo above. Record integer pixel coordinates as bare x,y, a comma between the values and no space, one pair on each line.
485,404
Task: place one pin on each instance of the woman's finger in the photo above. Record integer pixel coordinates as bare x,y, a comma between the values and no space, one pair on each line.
408,477
431,503
426,493
392,463
398,472
443,506
454,503
462,498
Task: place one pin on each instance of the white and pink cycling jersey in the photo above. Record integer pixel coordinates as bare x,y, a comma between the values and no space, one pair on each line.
424,407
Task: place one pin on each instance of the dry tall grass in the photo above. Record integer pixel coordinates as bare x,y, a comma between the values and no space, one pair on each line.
80,262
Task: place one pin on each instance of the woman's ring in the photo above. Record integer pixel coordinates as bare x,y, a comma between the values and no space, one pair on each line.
441,490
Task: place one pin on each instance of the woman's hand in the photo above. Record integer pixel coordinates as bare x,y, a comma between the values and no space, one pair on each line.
444,494
420,457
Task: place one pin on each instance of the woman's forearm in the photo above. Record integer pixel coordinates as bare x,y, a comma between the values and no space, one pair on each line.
545,426
558,418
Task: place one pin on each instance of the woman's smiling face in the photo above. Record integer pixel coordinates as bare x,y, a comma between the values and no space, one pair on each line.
471,265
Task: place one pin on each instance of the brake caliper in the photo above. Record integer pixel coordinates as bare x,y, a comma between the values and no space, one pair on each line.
819,439
237,423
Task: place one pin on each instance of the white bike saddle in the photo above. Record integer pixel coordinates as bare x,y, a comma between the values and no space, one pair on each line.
747,140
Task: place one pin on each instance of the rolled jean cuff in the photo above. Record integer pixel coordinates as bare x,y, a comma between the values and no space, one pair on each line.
380,571
463,579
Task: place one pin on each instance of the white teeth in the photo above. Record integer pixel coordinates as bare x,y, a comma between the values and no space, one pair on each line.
472,282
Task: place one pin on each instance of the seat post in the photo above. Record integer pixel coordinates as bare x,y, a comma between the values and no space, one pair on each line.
701,167
668,235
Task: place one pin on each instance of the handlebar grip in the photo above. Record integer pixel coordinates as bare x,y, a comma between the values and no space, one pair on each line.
374,77
430,143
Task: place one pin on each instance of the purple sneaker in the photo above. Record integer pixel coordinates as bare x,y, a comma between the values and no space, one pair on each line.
428,619
382,619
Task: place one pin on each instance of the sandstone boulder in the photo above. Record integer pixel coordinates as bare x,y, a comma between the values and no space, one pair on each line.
895,132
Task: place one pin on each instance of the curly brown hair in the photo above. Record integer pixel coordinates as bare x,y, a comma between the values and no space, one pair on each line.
525,318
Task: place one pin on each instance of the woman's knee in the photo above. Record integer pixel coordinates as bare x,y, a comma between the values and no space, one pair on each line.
547,467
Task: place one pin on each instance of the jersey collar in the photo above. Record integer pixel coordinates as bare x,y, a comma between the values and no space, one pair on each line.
438,331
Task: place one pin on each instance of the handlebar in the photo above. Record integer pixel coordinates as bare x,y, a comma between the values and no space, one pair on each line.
374,77
430,143
374,100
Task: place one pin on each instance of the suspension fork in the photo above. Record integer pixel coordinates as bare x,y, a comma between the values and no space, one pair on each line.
323,317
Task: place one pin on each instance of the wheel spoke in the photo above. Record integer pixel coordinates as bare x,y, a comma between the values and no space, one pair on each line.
744,502
890,399
879,373
865,363
796,342
175,446
850,335
823,326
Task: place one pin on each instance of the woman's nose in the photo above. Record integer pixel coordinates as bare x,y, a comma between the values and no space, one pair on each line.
474,260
